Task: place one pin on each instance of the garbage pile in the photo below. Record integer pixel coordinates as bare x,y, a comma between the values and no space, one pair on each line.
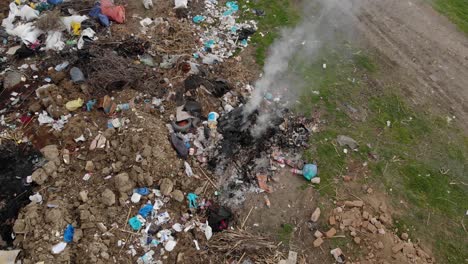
146,151
220,36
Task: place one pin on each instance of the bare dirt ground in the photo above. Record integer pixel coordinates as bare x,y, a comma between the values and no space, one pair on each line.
431,54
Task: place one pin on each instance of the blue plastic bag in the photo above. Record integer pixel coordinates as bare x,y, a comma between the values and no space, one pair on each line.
90,104
142,191
68,234
145,210
135,223
309,171
54,2
232,8
198,19
97,14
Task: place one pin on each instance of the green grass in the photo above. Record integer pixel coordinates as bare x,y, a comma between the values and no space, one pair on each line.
420,157
278,14
364,62
285,232
456,10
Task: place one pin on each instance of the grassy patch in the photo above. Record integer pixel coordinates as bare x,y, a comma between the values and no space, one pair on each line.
277,14
456,10
421,158
364,62
285,232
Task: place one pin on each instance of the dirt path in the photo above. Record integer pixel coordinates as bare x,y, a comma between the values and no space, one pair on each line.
432,54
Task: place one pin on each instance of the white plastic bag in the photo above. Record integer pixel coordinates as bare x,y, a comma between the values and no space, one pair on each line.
54,41
27,13
86,33
7,23
148,4
27,32
188,169
180,3
69,19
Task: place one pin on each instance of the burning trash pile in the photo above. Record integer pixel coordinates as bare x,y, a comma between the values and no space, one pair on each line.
120,146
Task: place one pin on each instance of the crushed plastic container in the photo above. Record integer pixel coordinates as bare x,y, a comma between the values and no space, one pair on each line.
77,75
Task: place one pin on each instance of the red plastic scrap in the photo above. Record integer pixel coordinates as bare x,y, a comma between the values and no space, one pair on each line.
115,13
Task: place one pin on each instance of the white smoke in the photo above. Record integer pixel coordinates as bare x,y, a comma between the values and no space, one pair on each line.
322,22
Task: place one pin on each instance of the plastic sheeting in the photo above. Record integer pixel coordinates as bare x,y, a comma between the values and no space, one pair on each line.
115,13
180,3
87,33
67,21
54,41
27,32
27,13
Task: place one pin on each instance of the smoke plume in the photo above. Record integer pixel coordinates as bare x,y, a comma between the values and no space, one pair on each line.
323,22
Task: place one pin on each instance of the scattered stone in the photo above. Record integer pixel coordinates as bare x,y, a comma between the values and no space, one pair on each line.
84,196
50,152
379,245
421,253
331,232
370,191
123,183
331,220
318,234
384,219
78,235
108,197
347,141
404,236
365,215
19,226
357,240
408,249
315,215
356,203
397,248
371,228
50,168
39,176
12,78
101,227
166,186
178,195
318,242
89,166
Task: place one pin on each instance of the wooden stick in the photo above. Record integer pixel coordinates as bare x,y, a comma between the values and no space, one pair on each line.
212,183
247,217
129,232
238,262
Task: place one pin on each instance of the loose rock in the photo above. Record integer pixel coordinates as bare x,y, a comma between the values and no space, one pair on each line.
315,215
108,197
166,186
178,195
331,232
318,242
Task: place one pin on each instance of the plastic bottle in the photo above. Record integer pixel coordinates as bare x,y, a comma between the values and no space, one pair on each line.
296,171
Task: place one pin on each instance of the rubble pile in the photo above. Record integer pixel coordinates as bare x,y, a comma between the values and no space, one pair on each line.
371,231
